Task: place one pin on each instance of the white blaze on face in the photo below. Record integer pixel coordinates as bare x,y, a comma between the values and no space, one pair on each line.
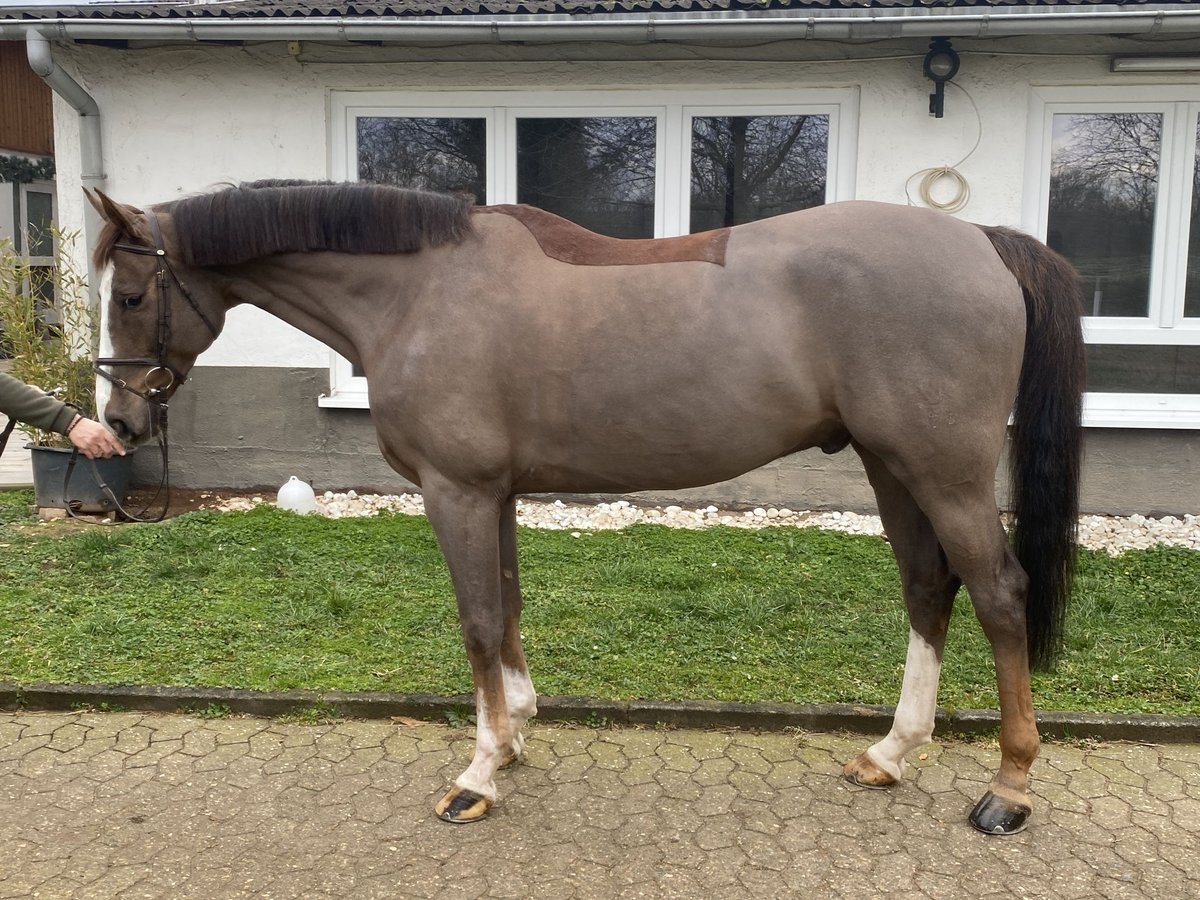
103,385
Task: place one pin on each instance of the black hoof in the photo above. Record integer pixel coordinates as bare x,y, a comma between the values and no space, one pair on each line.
992,815
461,807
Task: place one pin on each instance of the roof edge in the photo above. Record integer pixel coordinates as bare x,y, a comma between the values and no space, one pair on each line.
647,28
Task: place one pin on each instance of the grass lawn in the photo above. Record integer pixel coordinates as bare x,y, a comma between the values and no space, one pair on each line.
270,600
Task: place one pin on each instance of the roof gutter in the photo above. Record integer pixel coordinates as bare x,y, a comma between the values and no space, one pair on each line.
41,60
619,28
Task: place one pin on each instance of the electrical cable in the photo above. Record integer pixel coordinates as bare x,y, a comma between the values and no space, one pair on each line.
931,176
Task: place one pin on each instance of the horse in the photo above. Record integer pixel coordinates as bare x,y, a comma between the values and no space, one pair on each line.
510,351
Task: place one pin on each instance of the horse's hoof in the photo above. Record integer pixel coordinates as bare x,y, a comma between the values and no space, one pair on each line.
461,807
993,815
863,772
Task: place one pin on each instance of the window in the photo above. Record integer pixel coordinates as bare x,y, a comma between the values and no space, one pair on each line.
658,164
597,171
750,167
1114,189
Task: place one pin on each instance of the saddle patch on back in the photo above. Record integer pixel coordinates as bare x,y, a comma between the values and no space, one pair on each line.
567,242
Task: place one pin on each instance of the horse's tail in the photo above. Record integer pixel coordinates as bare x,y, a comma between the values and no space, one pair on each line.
1046,440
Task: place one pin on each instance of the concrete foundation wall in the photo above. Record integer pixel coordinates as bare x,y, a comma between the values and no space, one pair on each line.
275,429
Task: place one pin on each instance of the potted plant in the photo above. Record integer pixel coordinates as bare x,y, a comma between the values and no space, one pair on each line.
50,337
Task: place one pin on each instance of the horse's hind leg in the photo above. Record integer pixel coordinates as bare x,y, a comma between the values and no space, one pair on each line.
518,687
929,588
968,525
466,521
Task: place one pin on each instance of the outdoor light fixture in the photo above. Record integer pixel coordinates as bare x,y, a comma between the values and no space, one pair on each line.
941,64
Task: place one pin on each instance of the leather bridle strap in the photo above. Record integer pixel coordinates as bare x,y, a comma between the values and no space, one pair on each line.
165,275
156,396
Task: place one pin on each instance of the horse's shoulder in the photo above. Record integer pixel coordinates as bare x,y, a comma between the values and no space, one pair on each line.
567,242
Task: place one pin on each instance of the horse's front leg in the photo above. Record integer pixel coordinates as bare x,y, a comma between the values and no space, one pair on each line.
466,521
518,687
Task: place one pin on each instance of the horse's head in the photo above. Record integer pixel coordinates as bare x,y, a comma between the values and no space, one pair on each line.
157,315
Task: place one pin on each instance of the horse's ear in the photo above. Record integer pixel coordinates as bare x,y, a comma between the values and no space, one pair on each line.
94,200
124,217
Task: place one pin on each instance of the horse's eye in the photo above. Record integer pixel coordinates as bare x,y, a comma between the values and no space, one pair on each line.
132,302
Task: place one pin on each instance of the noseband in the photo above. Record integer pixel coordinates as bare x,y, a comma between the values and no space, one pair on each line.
161,379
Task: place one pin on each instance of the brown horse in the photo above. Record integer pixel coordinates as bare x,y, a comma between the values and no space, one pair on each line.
509,352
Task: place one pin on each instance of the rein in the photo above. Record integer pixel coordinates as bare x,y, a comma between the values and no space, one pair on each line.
160,380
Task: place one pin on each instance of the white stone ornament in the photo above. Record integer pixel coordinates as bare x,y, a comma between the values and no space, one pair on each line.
297,496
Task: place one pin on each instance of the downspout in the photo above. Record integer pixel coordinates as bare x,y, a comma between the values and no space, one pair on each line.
41,60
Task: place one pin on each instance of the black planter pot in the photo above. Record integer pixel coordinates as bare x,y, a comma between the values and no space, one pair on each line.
84,493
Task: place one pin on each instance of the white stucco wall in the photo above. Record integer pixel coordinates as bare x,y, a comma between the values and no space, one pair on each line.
182,119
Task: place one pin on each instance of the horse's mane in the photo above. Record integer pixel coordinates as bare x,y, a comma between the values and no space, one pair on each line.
262,218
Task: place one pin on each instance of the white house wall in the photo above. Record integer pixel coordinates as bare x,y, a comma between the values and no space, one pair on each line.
181,119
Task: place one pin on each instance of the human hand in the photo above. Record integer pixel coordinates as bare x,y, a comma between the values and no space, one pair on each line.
94,440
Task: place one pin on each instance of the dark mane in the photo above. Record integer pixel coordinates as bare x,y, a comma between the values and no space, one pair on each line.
262,218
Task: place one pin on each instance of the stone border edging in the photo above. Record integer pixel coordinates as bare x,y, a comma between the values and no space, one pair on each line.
688,714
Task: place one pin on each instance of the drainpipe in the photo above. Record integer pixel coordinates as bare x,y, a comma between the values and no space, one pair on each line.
41,60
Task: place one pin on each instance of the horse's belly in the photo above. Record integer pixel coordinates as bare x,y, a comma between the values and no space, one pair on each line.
662,461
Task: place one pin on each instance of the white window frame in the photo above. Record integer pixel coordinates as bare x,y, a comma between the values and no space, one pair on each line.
22,218
501,110
1164,324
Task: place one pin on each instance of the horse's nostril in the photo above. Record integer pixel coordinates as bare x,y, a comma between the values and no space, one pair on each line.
120,429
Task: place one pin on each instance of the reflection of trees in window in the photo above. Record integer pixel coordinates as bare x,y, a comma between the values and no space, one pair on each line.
597,171
1191,302
749,167
431,154
1104,171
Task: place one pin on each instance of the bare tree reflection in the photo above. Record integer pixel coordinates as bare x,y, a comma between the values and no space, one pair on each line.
432,154
1191,300
597,171
749,167
1103,190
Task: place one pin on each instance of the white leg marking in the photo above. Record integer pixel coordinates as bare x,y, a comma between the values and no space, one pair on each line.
478,776
913,725
522,703
103,386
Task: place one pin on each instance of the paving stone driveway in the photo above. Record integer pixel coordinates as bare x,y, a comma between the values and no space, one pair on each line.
146,805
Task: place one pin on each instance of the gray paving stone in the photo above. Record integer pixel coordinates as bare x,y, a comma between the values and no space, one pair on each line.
145,806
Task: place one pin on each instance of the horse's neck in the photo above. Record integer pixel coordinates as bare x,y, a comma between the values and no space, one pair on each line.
329,296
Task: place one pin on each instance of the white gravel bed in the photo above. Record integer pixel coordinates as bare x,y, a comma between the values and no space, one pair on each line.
1112,534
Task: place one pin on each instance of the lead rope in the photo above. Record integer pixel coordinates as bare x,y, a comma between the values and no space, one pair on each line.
6,434
140,516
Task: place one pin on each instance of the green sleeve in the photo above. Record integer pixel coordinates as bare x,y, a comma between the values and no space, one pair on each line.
33,407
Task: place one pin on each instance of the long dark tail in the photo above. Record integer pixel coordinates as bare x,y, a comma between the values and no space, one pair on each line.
1046,441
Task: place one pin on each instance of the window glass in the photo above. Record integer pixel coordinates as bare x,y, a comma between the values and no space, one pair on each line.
1144,368
749,167
429,154
39,216
1104,171
598,171
1191,300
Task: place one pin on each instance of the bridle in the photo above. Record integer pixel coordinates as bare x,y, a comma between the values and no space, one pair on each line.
170,378
161,379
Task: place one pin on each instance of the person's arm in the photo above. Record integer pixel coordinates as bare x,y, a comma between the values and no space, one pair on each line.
27,404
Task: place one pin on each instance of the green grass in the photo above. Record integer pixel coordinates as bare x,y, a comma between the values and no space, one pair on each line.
270,600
